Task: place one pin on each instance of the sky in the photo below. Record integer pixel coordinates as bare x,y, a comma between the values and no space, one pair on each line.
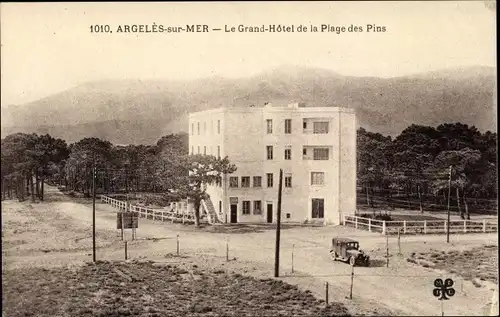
48,47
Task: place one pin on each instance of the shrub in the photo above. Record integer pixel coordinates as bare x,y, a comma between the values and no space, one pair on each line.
385,217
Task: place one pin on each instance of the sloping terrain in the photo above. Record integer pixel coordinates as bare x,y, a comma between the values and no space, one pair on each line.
126,111
146,289
57,233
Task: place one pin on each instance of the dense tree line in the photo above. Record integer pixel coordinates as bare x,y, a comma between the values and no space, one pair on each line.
164,168
413,169
27,160
409,171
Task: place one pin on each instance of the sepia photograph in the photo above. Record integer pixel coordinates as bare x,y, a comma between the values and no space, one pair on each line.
281,158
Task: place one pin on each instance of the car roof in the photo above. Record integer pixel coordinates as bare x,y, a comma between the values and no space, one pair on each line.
340,239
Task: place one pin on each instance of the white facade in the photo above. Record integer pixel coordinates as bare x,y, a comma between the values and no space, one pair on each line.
315,147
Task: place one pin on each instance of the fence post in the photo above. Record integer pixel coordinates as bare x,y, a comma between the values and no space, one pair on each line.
404,226
177,244
383,227
465,226
484,225
370,225
425,226
352,280
355,222
326,293
387,250
399,242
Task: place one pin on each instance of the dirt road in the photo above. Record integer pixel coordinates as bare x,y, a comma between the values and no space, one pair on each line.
58,232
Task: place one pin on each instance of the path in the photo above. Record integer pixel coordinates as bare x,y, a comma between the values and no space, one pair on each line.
402,288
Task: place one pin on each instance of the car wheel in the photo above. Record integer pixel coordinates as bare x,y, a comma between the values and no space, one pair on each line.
352,261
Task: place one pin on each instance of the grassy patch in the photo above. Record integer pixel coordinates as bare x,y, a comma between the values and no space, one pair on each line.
145,289
479,263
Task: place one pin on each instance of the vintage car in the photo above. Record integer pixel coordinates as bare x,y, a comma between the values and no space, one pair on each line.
346,249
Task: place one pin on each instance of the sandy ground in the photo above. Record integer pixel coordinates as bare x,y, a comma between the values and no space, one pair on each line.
58,232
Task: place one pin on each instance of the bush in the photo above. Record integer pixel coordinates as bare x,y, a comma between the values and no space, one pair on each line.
385,217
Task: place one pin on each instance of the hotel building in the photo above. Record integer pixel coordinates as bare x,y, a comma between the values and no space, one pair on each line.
314,146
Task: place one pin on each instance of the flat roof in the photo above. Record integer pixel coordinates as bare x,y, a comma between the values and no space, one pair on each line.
272,109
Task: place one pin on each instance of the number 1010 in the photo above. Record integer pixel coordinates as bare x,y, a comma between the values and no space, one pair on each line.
100,28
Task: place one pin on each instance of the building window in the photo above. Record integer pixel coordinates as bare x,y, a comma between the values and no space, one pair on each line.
321,154
257,181
233,182
304,124
288,180
269,123
317,178
199,149
269,150
192,149
269,179
245,181
257,207
320,127
288,215
198,128
204,150
288,126
288,154
220,206
318,208
304,152
218,126
218,151
246,207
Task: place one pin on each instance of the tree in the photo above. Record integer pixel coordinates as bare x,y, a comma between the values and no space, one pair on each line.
464,163
18,161
373,161
49,154
200,171
86,154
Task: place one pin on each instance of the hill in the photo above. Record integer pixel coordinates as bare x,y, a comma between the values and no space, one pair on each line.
135,111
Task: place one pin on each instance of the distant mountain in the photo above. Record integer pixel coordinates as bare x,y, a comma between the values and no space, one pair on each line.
135,111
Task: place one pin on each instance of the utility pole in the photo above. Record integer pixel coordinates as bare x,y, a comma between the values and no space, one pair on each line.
449,196
93,213
278,224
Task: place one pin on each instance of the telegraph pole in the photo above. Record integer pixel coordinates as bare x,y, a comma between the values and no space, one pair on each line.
449,196
278,224
93,213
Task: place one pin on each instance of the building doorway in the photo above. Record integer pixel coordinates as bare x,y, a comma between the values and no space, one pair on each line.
234,213
270,213
318,208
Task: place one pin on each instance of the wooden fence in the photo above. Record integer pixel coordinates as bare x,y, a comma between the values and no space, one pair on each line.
175,213
419,227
